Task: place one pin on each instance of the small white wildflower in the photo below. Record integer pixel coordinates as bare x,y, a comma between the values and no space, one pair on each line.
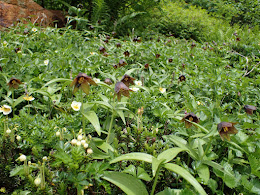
22,158
57,133
138,83
8,131
83,142
135,89
92,53
74,142
96,80
18,137
6,109
162,90
80,137
5,43
76,105
34,29
44,158
46,62
37,181
89,151
85,145
78,143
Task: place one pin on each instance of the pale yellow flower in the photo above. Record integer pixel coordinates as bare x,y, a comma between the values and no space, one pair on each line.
34,29
5,109
28,98
162,90
135,89
76,105
138,83
96,80
46,62
5,43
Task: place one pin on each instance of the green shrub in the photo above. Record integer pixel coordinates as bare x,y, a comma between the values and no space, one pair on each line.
191,23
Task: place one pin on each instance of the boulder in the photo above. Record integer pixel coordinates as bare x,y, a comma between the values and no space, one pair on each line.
12,11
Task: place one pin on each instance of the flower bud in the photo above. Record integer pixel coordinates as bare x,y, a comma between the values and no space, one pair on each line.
83,142
18,137
22,158
89,151
80,137
85,145
57,133
44,158
8,131
78,143
73,142
37,181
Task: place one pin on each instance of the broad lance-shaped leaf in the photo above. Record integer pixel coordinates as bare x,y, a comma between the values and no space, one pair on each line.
156,164
170,154
58,80
186,175
93,119
134,156
128,183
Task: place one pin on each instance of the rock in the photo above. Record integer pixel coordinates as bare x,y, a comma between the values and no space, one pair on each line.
12,11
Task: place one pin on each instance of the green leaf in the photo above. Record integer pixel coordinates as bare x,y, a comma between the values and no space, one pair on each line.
17,171
216,166
204,173
156,164
93,119
103,145
121,114
183,144
141,174
170,154
130,170
58,80
186,175
18,101
134,156
128,183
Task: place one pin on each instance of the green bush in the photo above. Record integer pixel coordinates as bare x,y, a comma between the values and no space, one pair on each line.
191,23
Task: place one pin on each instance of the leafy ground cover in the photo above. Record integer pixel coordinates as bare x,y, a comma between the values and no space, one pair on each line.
84,112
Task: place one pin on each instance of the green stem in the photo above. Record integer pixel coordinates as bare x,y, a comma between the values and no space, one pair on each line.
82,109
110,127
42,176
28,109
155,179
13,101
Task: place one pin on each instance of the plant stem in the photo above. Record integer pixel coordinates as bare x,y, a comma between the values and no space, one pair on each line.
155,180
13,101
82,110
110,127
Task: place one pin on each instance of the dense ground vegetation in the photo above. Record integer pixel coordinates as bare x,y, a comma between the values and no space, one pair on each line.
172,108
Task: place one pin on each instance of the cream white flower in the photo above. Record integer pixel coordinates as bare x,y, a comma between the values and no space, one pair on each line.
37,181
74,142
80,137
5,109
78,143
8,131
83,142
162,90
96,80
85,145
57,133
34,29
89,151
18,137
135,89
22,158
76,105
138,83
44,158
46,62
